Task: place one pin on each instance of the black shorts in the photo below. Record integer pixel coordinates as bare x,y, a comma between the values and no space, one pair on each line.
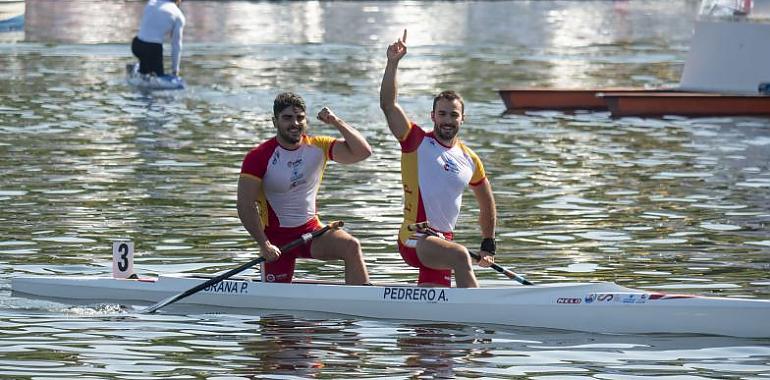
150,56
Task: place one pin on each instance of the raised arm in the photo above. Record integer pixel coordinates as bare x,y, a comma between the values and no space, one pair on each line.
398,122
353,146
248,212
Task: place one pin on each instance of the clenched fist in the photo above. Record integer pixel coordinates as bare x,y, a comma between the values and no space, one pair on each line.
327,116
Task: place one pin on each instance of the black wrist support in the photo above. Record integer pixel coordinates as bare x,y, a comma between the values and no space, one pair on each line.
488,244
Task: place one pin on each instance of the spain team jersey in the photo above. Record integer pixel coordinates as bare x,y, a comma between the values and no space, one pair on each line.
434,177
290,179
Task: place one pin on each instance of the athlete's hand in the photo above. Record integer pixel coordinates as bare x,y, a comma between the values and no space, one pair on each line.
397,49
487,259
270,252
327,116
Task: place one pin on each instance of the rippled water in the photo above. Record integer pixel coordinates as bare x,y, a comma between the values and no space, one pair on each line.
674,204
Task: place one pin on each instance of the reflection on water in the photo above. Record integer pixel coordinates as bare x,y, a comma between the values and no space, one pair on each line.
562,24
281,346
675,204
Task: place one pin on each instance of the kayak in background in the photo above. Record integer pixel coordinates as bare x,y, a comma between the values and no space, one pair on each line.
152,82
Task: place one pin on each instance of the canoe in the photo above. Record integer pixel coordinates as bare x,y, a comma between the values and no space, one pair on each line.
152,82
524,99
685,104
601,307
622,102
724,72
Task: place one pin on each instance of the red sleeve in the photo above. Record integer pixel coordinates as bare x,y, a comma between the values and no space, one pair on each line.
255,162
412,139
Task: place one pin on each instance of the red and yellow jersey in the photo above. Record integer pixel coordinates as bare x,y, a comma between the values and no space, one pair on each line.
290,179
434,177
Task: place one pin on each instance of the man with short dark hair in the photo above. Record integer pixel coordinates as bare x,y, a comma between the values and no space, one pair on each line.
279,184
436,167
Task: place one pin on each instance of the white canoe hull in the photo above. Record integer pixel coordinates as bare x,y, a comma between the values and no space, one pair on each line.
591,307
151,82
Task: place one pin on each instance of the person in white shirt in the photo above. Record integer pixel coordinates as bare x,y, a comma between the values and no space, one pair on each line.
436,167
278,190
161,18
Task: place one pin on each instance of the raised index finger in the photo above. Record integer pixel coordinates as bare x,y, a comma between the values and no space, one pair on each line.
403,39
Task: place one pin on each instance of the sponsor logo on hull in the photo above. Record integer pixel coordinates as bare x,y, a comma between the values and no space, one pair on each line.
627,298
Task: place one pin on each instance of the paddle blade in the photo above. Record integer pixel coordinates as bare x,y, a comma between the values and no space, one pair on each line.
152,309
514,276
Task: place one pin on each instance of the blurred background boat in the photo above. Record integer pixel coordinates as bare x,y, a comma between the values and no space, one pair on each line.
726,73
11,15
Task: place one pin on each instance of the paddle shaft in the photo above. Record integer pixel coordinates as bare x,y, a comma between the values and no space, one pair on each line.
507,272
304,239
425,228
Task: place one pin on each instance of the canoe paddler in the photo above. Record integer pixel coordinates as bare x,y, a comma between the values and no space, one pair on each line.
279,184
161,18
436,167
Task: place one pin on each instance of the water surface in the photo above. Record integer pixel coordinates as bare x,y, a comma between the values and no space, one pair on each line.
672,204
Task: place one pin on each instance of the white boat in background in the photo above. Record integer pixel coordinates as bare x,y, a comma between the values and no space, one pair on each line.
592,307
10,9
726,73
152,82
11,15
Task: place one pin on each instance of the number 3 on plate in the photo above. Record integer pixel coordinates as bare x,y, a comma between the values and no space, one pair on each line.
122,258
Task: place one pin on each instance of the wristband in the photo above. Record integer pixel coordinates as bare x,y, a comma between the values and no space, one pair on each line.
488,245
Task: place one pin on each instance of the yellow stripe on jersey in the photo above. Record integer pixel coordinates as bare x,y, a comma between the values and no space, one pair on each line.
324,143
478,172
411,184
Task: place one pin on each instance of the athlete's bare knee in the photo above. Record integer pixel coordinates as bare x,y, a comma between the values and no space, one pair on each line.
350,249
460,260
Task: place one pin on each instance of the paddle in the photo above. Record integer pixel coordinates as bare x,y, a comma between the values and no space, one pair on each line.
424,227
304,239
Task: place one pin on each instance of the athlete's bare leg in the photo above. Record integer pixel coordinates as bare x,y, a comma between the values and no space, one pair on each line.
438,253
339,245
